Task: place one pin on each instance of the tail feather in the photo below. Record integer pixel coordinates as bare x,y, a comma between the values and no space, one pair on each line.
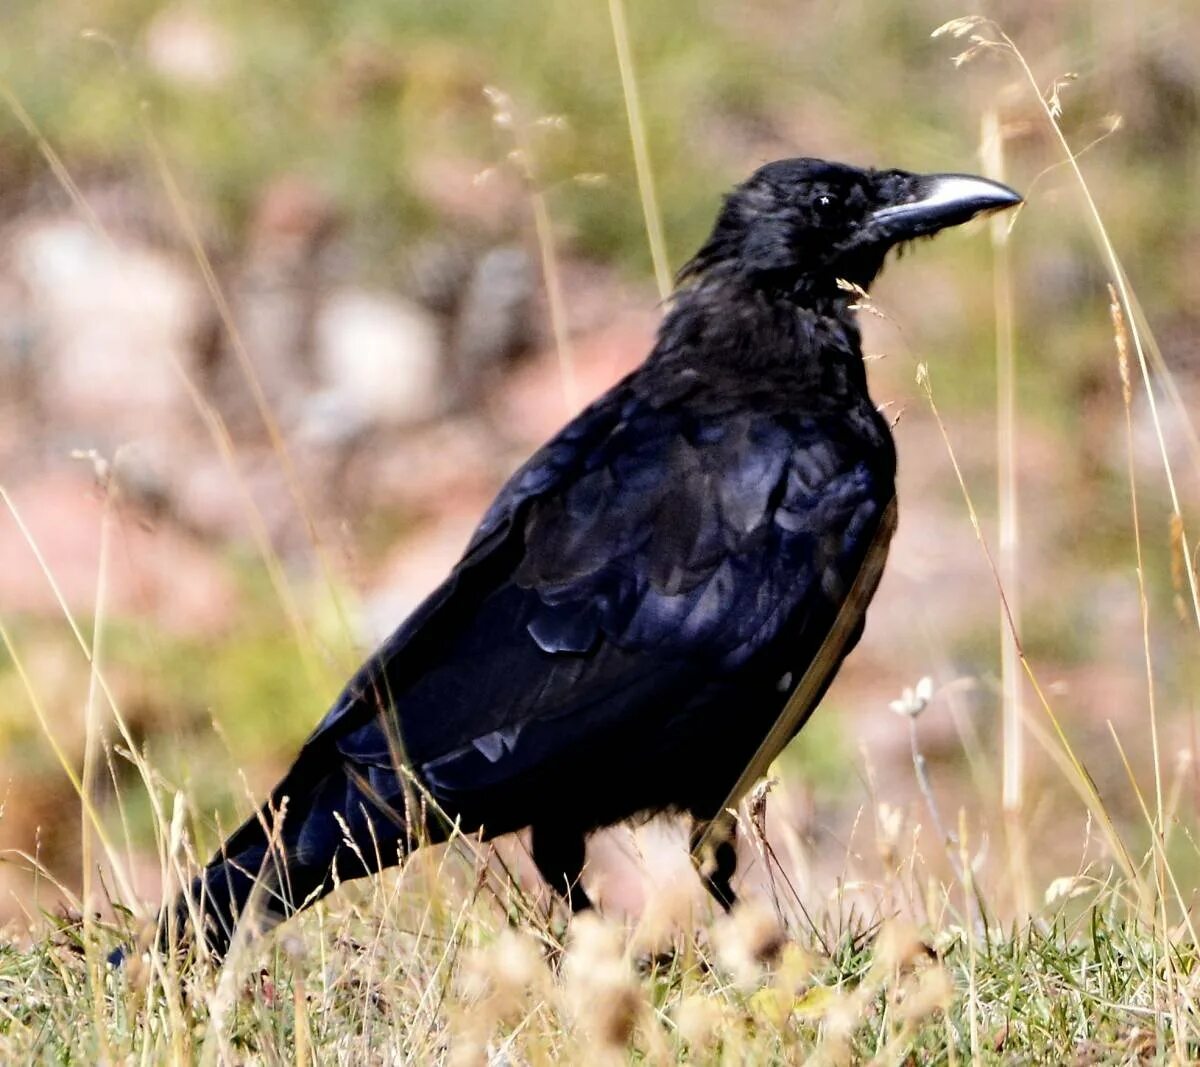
314,832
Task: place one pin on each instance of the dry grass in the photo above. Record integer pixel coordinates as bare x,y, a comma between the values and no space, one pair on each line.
450,961
447,963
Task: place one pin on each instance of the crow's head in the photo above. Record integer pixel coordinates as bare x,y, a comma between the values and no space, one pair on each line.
803,224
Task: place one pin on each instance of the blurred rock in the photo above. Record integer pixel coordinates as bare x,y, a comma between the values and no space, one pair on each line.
109,325
378,358
493,322
333,419
185,46
437,271
143,475
275,293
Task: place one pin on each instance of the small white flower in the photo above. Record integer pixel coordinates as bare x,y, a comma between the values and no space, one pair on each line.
913,701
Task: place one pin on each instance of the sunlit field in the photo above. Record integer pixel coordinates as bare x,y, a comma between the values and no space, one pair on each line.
288,290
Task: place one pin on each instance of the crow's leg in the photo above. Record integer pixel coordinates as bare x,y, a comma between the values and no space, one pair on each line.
718,863
558,853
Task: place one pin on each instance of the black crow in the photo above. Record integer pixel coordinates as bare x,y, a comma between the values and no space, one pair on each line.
657,600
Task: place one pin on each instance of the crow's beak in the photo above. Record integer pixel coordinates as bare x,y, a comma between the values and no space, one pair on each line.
941,200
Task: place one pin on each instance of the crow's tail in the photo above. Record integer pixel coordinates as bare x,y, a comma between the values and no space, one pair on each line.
321,826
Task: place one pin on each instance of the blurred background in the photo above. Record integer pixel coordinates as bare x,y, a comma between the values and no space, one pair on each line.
272,298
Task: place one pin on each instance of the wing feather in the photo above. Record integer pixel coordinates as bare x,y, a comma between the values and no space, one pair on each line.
645,552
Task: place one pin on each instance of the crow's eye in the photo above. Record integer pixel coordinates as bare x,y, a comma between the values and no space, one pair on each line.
825,203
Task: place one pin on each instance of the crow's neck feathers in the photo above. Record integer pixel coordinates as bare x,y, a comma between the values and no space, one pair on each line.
728,320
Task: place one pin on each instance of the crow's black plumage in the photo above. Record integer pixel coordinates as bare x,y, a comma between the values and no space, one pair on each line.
686,558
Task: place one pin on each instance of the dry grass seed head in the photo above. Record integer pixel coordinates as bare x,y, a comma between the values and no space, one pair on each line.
794,969
466,1051
599,982
666,921
789,993
842,1018
698,1019
497,984
889,827
748,940
928,990
899,948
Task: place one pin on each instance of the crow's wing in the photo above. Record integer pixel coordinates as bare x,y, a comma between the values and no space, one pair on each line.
652,547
